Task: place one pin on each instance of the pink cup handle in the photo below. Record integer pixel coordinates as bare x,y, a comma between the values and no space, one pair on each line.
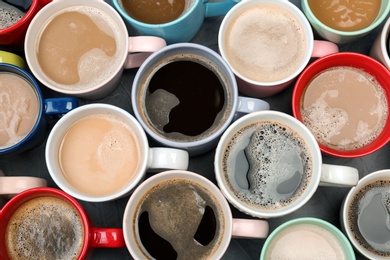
323,48
141,47
250,228
108,237
11,185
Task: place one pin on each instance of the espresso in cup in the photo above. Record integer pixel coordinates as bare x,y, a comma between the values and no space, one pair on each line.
178,219
45,227
19,108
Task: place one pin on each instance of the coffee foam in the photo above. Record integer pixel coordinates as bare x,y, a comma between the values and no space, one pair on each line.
265,43
275,154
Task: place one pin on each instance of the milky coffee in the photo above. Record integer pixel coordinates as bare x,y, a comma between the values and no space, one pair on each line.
267,165
101,150
45,228
265,43
178,219
19,108
368,217
304,242
79,48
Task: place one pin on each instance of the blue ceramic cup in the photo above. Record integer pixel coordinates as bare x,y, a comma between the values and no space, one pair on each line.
13,109
182,29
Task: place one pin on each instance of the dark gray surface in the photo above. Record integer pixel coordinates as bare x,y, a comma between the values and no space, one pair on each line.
325,204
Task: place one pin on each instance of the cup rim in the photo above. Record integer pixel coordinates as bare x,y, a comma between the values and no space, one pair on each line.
56,134
365,30
291,8
25,19
340,59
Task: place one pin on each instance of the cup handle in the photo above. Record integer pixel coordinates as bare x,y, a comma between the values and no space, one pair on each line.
108,237
249,228
140,48
338,176
219,8
162,158
322,48
248,105
60,106
12,185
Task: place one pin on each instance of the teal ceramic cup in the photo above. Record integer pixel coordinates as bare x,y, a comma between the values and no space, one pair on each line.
307,238
341,37
182,29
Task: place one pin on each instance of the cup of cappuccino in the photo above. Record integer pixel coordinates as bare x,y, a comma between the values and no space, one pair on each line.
185,96
267,44
365,214
104,145
183,215
175,21
343,99
47,223
307,238
380,47
82,49
268,164
345,21
24,111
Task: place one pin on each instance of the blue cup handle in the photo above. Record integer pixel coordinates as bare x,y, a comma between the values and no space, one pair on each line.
57,107
219,8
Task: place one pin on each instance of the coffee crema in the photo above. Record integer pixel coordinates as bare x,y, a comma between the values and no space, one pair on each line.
178,219
368,217
265,43
79,48
346,15
19,108
267,165
101,150
305,242
185,98
345,108
45,228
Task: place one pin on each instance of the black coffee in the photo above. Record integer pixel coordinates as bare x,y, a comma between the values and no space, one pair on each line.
267,165
186,98
179,219
369,215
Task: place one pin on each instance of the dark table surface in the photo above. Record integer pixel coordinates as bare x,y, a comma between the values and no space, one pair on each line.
325,203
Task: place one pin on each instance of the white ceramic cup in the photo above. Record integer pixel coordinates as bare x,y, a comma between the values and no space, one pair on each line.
374,211
250,86
149,159
321,174
232,227
380,47
130,52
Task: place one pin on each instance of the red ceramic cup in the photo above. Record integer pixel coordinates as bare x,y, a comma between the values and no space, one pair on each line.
93,237
346,59
13,36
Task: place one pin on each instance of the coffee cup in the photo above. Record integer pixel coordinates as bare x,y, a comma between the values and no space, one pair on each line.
47,223
365,215
12,58
345,22
307,238
104,145
82,49
183,215
268,164
380,47
24,110
343,99
175,21
267,44
12,35
185,96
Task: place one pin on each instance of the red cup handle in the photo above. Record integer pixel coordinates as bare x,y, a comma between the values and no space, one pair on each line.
108,237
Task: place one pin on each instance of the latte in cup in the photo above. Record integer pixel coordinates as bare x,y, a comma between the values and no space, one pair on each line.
267,165
78,48
45,228
265,43
178,219
185,98
19,108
